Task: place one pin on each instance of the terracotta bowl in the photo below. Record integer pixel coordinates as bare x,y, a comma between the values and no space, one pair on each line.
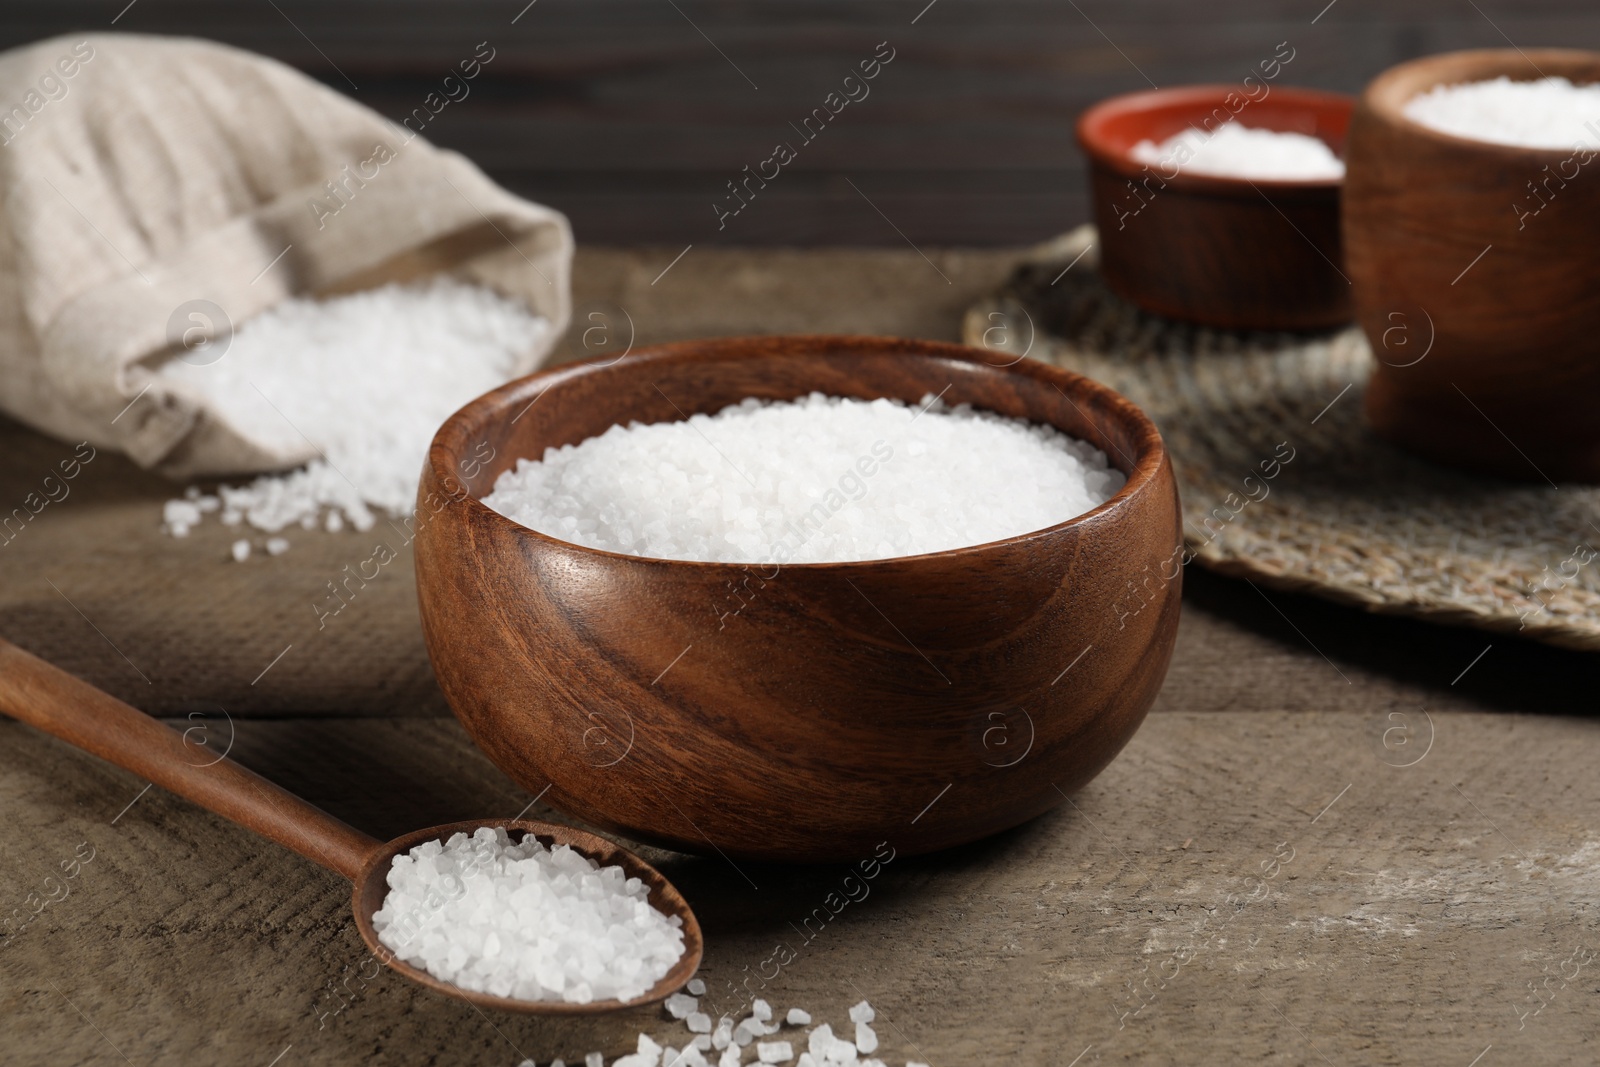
813,712
1232,253
1477,293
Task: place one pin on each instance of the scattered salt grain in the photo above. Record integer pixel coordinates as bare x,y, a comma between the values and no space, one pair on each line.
1234,150
240,550
774,1052
519,920
277,546
866,1038
699,1023
730,1057
760,1010
862,1013
1543,113
594,1059
697,987
680,1007
820,479
365,380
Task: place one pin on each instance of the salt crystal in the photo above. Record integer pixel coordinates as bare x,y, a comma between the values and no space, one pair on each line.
591,938
277,546
798,1017
774,1052
760,1010
820,1041
594,1059
1234,150
697,987
699,1022
819,479
862,1013
730,1057
1541,113
364,380
866,1038
679,1006
240,550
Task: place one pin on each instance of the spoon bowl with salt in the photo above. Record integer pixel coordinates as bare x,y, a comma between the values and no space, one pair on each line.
49,699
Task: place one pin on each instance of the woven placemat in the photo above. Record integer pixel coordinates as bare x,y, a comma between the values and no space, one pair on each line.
1343,515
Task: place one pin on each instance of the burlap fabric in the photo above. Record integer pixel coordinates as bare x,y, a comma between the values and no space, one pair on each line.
158,192
1282,482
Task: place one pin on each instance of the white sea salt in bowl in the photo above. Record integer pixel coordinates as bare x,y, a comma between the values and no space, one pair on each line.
803,711
1483,252
1219,204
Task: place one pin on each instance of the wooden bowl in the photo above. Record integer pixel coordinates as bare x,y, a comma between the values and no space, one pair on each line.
813,712
1234,253
1439,253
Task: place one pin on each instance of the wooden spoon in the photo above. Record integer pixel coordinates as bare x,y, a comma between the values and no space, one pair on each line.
45,697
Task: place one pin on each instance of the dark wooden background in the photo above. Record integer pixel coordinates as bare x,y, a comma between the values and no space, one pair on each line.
623,114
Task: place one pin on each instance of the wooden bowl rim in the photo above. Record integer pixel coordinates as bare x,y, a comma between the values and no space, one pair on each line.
1386,95
1093,143
664,897
447,443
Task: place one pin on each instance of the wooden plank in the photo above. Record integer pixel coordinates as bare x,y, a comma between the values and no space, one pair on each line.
631,90
1399,913
129,603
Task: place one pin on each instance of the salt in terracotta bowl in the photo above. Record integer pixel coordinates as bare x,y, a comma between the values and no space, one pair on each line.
1233,253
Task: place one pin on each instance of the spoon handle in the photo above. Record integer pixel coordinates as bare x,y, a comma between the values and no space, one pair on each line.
48,698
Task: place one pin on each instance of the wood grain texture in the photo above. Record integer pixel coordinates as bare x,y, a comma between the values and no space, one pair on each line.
1407,930
1224,252
34,692
1489,250
843,697
619,113
49,699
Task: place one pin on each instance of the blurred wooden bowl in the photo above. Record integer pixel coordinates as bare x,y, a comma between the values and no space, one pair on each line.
1485,320
814,712
1233,253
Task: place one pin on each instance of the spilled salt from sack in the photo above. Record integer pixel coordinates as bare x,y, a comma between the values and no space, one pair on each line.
1234,150
519,920
1544,113
365,379
819,479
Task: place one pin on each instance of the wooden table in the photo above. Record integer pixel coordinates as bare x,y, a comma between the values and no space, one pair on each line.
1338,838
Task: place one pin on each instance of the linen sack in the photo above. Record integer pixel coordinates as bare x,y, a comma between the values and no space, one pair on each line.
152,185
